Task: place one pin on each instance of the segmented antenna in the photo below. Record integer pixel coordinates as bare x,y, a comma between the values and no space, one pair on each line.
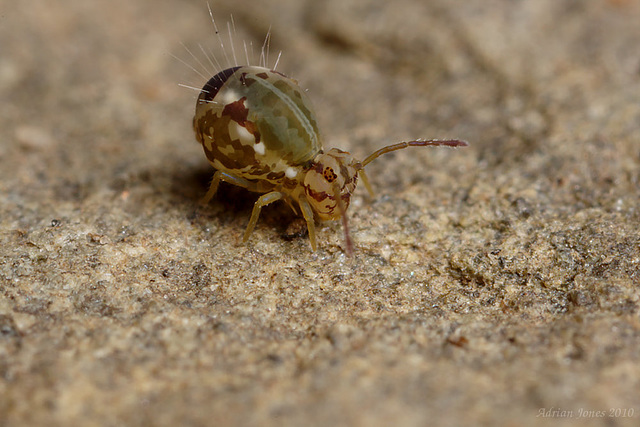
416,143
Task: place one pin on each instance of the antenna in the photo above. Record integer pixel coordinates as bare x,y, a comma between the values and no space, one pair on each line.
416,143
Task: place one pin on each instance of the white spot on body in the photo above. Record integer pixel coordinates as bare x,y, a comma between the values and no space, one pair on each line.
291,172
229,96
244,135
260,148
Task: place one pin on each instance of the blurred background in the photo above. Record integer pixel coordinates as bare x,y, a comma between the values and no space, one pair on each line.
488,283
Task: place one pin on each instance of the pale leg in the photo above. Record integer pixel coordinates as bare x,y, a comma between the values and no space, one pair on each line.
223,176
365,181
307,212
264,200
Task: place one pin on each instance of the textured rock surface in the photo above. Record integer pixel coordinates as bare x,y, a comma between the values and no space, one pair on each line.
488,283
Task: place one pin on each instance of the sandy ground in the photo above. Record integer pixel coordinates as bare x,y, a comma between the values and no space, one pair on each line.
492,285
